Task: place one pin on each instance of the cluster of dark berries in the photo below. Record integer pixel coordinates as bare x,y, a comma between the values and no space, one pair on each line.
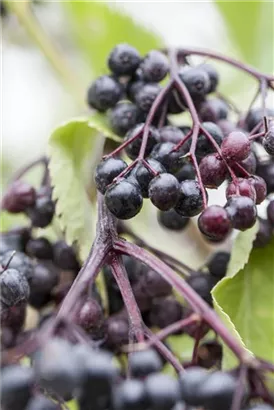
163,169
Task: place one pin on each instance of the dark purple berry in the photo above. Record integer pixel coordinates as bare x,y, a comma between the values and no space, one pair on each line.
196,80
268,141
249,164
130,395
64,256
154,285
20,195
242,187
171,160
16,387
260,188
226,126
213,110
236,146
18,261
41,214
154,66
144,176
242,212
190,202
146,96
213,76
213,170
191,381
172,220
14,287
90,317
264,234
124,199
255,116
186,172
144,362
123,117
164,191
132,149
39,248
107,170
266,171
124,59
104,93
165,311
162,390
202,283
204,146
214,223
170,133
217,265
270,212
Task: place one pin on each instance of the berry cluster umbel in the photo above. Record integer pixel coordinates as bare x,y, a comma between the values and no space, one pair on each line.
172,165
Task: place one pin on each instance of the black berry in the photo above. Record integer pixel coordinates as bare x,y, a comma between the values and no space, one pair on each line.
242,212
190,202
213,171
236,146
107,170
124,59
123,117
154,66
39,248
132,149
144,362
41,214
146,96
124,199
214,223
104,93
164,191
172,220
144,176
20,195
217,265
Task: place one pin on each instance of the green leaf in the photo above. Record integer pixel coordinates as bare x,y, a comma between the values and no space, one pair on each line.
97,28
71,147
247,300
241,250
72,405
250,26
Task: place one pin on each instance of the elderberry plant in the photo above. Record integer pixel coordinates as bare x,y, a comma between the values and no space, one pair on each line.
73,345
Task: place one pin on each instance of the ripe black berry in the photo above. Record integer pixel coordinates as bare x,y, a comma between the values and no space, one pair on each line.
202,284
214,223
132,150
107,170
164,311
14,287
154,66
19,261
171,160
124,199
144,176
270,212
196,80
213,110
124,59
123,117
213,76
255,115
104,93
19,196
39,248
172,220
242,187
164,191
213,170
154,285
130,395
117,332
218,390
264,234
266,171
242,212
90,317
169,133
16,385
190,202
191,381
144,362
226,126
268,141
249,164
146,96
236,146
41,214
64,256
44,278
217,265
204,146
162,391
176,104
186,172
260,188
13,241
41,402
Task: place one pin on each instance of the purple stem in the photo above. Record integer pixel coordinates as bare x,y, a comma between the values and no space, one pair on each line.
240,390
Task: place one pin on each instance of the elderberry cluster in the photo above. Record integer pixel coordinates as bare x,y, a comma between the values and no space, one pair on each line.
171,165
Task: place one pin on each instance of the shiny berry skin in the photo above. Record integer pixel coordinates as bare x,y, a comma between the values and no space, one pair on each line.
217,265
144,362
146,96
172,220
249,164
154,66
171,160
190,202
19,261
41,214
270,212
242,187
255,116
162,390
169,133
214,223
213,170
132,149
39,248
124,59
218,390
19,196
104,93
242,212
144,176
16,387
124,199
266,171
41,402
204,146
213,76
268,141
14,287
123,117
130,395
236,146
202,284
64,256
264,234
13,241
107,170
260,188
213,110
196,81
191,381
163,191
